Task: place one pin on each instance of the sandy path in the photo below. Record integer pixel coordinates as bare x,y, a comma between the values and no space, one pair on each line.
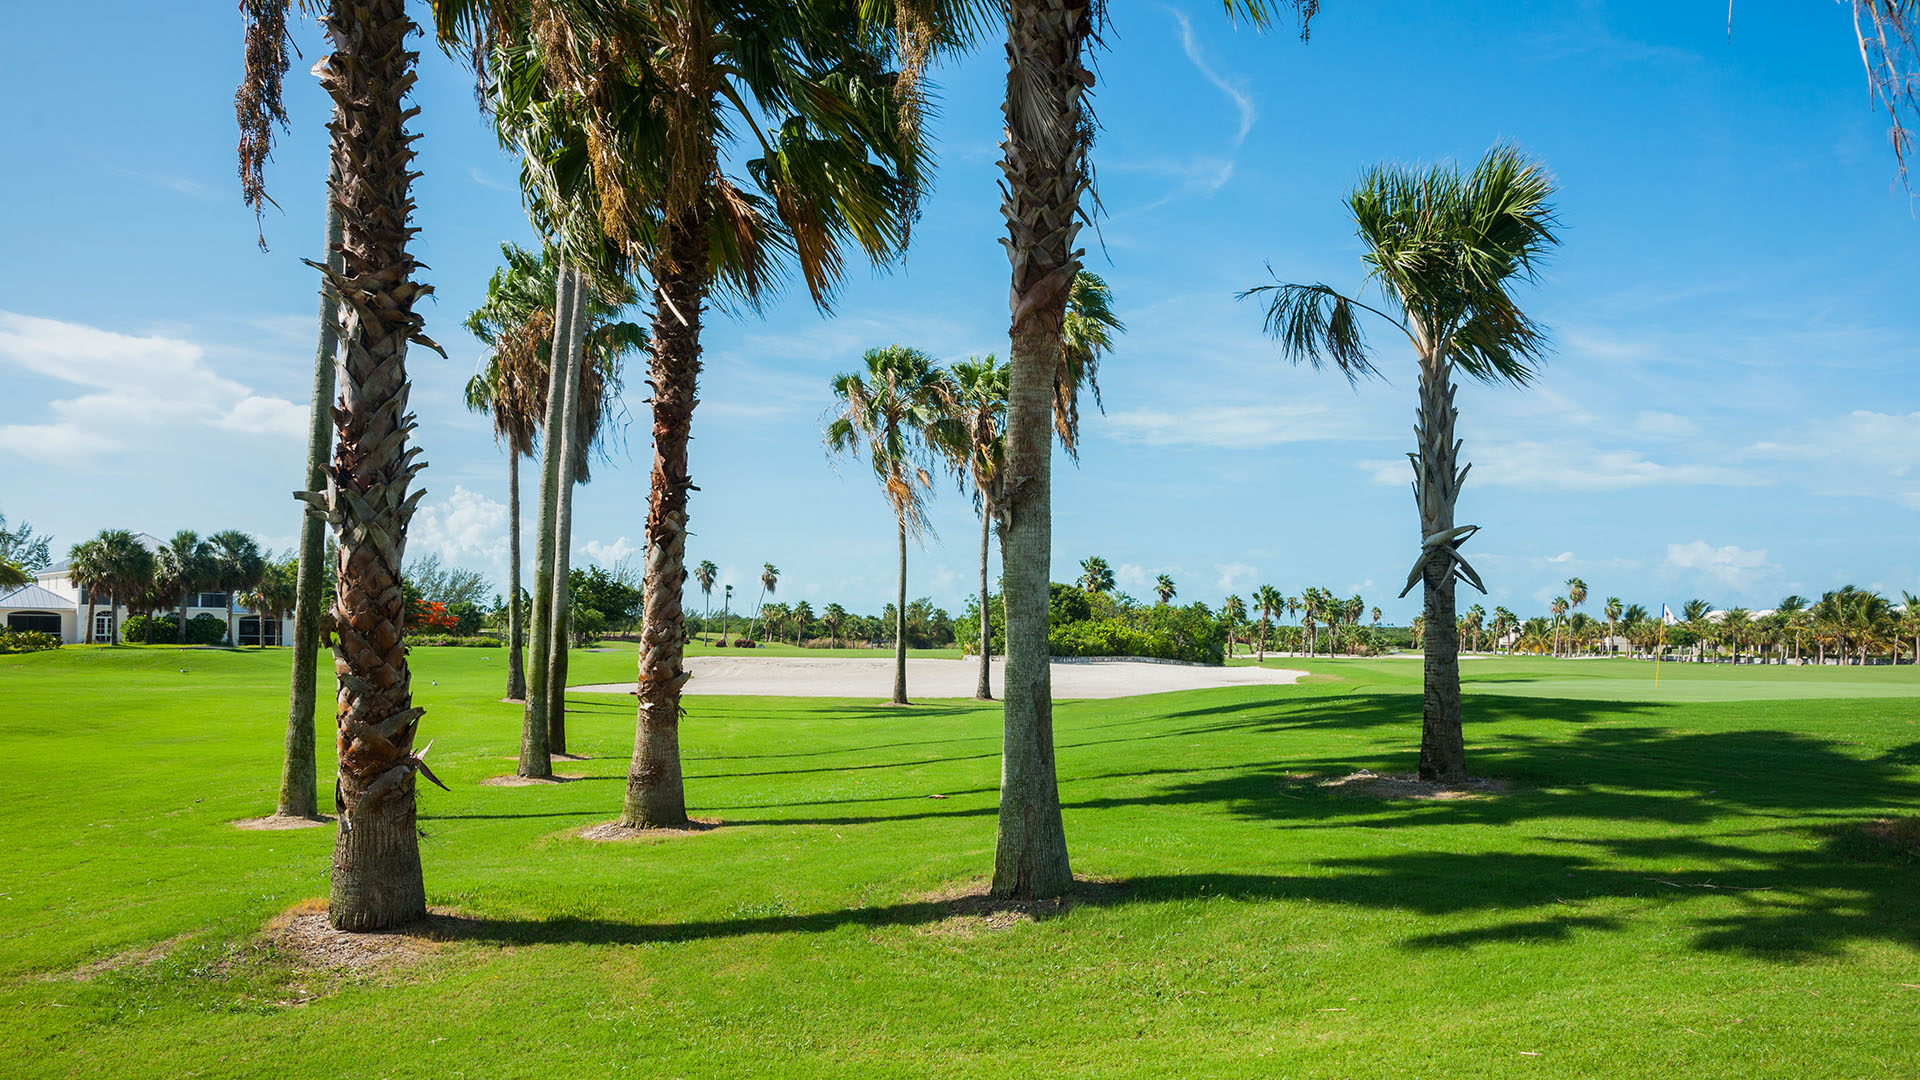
782,676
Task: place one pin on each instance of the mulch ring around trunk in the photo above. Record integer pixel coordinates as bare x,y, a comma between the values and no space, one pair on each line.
614,832
1367,784
276,822
967,908
304,935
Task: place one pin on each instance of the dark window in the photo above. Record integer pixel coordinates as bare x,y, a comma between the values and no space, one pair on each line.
250,632
39,622
209,600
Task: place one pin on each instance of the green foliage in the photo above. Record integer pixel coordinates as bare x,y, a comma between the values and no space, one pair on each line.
1067,604
585,624
23,547
205,629
166,629
463,641
615,595
26,641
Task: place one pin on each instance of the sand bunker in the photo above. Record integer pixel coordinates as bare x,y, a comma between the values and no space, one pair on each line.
860,677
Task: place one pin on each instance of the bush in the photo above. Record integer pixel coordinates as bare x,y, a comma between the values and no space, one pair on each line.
205,629
166,630
460,641
585,624
26,641
1111,637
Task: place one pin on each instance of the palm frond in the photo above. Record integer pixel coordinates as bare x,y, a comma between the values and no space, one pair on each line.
1315,325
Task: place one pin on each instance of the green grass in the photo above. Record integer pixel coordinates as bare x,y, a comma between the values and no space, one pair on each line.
1251,925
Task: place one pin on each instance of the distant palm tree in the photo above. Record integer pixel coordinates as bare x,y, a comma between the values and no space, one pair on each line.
1376,616
897,411
705,574
117,564
1445,250
835,618
238,566
87,570
185,568
1163,588
1559,608
1293,611
1794,609
272,596
1095,575
1612,609
1476,621
1269,601
1694,614
1576,595
1505,623
802,617
1233,612
769,581
980,403
1910,620
1736,625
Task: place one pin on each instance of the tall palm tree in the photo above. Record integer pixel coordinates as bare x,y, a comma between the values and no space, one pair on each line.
1047,173
238,565
980,396
1096,576
1269,601
704,576
114,563
769,581
898,413
833,160
1163,589
1233,612
1445,250
1576,595
1612,609
87,569
1559,608
1293,611
185,566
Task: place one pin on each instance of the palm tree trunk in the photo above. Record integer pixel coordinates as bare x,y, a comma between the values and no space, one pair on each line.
516,632
233,636
563,529
376,879
656,788
1443,753
536,758
900,625
984,690
299,786
113,617
180,636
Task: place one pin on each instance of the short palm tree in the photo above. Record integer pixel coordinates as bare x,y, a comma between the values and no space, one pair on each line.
801,618
897,412
1910,620
1096,576
704,575
1446,251
1164,590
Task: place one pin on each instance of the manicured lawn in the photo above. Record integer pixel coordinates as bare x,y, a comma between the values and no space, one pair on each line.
1676,885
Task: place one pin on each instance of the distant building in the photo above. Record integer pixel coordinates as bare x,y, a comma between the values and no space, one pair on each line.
53,604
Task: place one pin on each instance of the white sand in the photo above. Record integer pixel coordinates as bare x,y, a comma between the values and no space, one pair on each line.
859,677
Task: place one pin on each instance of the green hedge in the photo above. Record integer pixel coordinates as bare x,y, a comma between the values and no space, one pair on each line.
26,641
1166,639
458,641
166,630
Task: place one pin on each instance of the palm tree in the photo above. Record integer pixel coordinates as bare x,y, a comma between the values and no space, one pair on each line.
1476,621
1096,576
1910,620
835,617
273,596
114,563
1164,590
1737,623
1694,614
704,575
898,412
1612,609
1269,601
834,150
238,566
1559,608
1087,330
769,580
185,566
1793,609
1046,174
1233,612
87,569
1505,623
802,617
1293,610
1576,595
980,389
1445,251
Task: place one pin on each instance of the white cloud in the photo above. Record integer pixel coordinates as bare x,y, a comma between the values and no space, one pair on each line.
1729,564
141,388
1568,466
465,527
1242,101
1236,576
1230,427
1865,453
1563,557
1130,577
608,554
1664,424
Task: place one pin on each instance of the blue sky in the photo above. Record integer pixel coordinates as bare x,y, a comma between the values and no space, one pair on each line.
1731,411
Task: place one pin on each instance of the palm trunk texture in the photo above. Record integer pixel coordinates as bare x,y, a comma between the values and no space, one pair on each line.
1443,754
656,792
984,691
1045,173
516,631
377,881
900,624
559,619
536,759
299,794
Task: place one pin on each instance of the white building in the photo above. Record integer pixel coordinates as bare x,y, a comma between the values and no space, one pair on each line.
53,604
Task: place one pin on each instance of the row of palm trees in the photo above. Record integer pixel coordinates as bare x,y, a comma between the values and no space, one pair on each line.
1317,609
116,565
628,116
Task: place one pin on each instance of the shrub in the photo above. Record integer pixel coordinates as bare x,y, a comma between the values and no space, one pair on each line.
745,643
461,641
205,629
585,624
430,617
26,641
166,630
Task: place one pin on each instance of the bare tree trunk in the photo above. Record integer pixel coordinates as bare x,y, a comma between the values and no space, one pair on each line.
536,758
1443,753
656,788
900,625
377,880
572,448
516,633
984,690
299,786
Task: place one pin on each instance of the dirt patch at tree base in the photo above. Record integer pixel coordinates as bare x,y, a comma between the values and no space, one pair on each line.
276,822
511,780
130,958
1367,784
1903,833
971,909
614,832
303,933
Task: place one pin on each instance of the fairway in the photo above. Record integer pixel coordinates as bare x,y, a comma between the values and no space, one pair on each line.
1677,884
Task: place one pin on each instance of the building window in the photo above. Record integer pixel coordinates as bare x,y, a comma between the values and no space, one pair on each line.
39,622
103,626
250,631
209,600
